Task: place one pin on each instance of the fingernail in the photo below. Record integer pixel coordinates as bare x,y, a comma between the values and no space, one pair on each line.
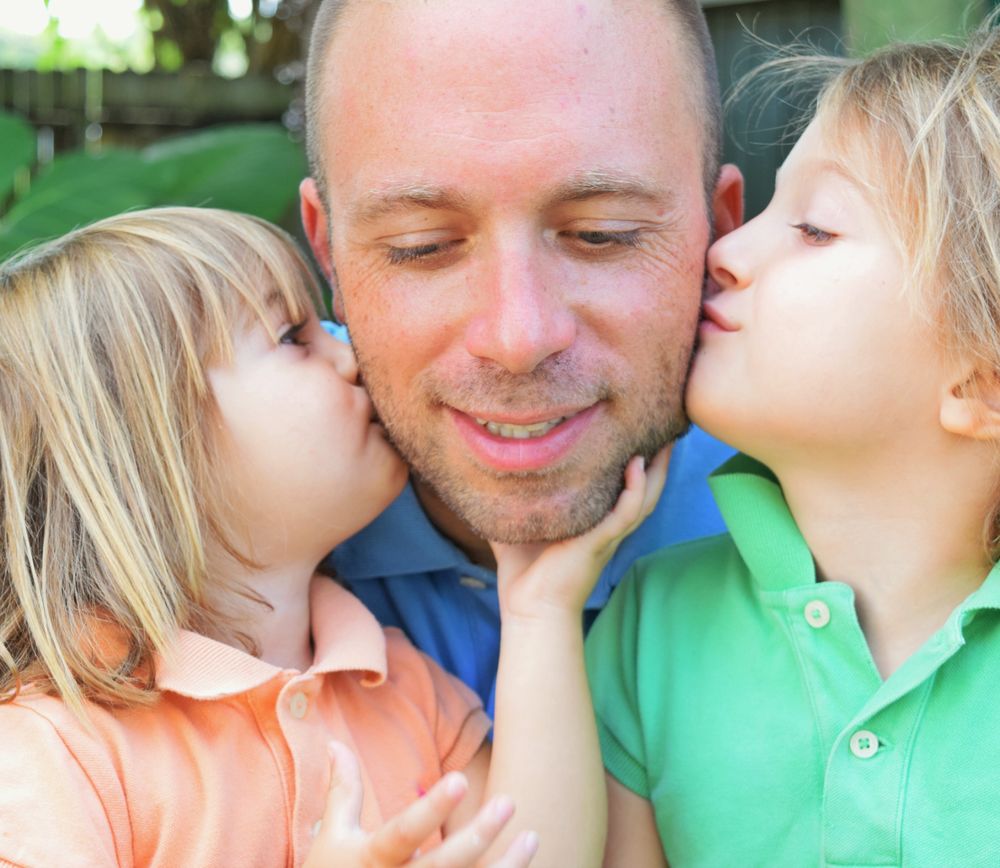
530,843
454,784
502,809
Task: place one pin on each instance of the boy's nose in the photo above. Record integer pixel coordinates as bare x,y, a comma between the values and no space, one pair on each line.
728,267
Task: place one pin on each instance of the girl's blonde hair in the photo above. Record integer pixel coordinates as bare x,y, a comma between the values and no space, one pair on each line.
108,492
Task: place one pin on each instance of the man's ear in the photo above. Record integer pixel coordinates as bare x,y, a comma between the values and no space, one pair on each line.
727,200
318,233
970,407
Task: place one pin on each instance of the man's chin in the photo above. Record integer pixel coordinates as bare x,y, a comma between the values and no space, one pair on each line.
535,508
531,511
534,524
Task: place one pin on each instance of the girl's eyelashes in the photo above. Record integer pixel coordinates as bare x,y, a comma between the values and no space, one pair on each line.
292,335
813,233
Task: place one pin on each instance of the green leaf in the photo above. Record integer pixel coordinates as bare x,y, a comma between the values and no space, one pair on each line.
254,168
77,189
17,153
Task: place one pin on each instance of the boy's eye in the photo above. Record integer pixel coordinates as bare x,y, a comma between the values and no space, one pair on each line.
292,335
814,233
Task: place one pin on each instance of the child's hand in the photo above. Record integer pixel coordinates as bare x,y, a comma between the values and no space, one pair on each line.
533,577
341,843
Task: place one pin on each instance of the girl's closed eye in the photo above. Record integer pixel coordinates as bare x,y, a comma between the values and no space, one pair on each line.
813,234
293,335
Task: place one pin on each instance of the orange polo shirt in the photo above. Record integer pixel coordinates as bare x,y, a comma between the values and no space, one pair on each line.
230,766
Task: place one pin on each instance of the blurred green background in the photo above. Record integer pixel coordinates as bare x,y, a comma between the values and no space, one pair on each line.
107,105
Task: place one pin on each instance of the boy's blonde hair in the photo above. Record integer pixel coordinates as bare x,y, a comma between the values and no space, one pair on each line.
108,492
918,125
926,119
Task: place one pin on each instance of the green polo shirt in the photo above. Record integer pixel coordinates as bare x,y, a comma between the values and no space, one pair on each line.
738,695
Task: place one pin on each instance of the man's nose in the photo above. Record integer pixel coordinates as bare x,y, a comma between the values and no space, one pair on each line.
523,316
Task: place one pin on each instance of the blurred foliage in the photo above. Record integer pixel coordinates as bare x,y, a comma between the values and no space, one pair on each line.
253,168
17,153
232,37
271,37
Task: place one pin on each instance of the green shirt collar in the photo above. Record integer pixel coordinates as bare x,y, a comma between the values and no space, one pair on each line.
770,542
751,502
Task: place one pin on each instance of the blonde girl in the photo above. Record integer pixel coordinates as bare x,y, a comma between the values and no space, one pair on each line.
819,686
181,443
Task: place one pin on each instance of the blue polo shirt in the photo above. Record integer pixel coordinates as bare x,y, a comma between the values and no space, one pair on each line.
414,578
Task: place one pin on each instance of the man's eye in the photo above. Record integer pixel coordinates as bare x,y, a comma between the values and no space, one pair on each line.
419,252
293,335
628,238
814,233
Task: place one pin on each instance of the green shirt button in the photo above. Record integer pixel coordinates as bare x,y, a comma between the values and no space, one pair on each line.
817,613
864,744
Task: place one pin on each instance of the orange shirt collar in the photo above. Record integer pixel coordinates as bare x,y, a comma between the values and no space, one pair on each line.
346,638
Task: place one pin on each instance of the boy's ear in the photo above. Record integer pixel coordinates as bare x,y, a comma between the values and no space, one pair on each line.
971,406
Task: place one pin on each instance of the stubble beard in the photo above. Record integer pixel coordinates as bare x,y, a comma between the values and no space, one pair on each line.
544,505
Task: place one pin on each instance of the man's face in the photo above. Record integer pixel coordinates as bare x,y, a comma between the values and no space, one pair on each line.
518,237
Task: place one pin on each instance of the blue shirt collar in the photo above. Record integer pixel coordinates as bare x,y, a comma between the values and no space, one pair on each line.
401,541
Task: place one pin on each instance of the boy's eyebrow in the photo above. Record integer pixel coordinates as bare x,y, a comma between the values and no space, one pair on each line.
831,166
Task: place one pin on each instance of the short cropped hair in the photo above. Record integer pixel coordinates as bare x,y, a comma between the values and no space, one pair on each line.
109,488
693,27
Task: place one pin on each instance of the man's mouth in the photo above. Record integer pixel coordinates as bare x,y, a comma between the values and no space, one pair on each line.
520,432
526,443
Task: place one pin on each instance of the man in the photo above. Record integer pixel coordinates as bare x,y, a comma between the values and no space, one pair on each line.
512,200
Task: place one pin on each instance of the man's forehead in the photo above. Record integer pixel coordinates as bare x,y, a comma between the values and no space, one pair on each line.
428,28
575,96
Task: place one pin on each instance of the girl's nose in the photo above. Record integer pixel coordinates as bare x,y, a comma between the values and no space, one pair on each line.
342,356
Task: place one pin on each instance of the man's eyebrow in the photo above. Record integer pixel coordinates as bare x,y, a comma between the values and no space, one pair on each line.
379,203
589,185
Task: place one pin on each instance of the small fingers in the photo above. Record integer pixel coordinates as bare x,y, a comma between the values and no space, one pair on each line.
519,853
656,478
627,512
343,802
469,843
397,840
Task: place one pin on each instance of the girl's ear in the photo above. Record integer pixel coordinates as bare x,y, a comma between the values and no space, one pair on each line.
971,406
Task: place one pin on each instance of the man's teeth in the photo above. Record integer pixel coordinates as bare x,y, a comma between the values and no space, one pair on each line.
520,432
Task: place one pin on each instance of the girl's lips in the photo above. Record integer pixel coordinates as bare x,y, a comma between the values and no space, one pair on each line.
711,316
546,444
